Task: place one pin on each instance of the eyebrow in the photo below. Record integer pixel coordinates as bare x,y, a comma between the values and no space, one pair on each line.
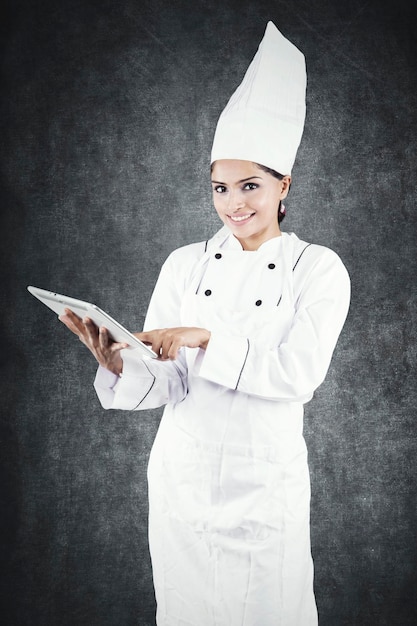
244,180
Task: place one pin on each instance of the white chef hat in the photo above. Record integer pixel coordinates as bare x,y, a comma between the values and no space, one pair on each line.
264,119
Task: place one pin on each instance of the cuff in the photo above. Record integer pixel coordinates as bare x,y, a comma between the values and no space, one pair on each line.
104,384
129,390
135,382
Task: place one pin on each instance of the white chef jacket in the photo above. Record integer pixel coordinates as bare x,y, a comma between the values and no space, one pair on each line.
229,487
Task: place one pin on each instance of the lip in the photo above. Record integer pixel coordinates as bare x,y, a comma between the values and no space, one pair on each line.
243,219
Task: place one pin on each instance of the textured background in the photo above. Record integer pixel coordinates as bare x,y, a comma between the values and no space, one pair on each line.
107,115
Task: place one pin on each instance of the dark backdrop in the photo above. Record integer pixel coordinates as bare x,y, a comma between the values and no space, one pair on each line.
107,115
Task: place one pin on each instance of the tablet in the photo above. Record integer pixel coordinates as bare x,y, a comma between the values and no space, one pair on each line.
58,303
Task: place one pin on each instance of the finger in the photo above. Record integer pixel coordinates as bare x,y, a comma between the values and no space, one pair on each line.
155,341
158,339
172,353
116,347
74,322
74,319
150,338
69,324
103,338
168,346
176,344
90,325
91,331
71,314
106,342
145,337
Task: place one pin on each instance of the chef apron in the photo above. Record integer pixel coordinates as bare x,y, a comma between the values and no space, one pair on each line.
229,486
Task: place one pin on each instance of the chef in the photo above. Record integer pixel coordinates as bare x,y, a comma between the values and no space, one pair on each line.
245,325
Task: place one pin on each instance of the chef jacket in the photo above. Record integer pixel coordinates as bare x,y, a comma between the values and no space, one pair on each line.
228,479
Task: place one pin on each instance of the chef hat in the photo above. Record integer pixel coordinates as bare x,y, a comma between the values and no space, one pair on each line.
264,119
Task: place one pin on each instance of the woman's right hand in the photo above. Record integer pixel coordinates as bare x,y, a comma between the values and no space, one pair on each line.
104,349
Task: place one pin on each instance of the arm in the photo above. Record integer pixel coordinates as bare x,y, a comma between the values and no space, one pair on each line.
295,368
151,383
124,379
143,384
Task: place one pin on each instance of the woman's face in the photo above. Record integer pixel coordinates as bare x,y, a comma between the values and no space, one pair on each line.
246,199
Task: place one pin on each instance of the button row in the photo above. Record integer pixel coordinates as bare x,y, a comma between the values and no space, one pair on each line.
271,266
208,292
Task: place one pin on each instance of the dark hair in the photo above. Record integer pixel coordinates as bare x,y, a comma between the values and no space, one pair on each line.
268,170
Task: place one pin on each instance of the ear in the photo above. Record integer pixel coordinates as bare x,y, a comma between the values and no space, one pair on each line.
285,187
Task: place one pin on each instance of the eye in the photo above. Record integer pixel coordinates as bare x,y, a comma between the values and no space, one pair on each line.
250,186
219,188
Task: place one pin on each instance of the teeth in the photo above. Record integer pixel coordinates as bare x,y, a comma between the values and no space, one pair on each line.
240,218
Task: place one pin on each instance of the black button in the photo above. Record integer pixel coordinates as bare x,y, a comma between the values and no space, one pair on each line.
207,292
217,255
271,266
258,302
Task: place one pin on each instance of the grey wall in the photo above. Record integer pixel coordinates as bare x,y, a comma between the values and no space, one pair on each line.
107,114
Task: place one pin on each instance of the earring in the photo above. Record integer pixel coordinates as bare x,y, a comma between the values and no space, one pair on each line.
281,208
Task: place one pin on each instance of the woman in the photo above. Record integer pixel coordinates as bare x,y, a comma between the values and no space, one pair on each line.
245,325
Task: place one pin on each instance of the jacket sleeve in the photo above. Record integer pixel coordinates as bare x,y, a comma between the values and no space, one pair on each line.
292,370
147,383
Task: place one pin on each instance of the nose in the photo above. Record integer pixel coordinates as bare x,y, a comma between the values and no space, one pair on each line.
236,201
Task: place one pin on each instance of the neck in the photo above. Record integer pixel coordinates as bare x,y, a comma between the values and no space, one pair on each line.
252,244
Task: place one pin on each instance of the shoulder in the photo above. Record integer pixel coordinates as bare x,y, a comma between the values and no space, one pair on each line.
186,255
181,266
192,253
307,256
318,273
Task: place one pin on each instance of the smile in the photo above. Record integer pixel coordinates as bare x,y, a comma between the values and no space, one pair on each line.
241,218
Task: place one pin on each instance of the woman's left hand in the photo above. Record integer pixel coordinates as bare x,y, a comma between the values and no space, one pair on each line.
167,341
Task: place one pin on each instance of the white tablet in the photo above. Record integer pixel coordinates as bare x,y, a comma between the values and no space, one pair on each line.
58,303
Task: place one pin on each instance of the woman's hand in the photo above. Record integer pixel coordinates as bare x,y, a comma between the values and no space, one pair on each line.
105,350
167,341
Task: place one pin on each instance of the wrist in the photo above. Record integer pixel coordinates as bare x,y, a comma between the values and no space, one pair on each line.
114,368
206,339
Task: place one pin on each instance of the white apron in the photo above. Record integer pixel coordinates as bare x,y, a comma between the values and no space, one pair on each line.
229,485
